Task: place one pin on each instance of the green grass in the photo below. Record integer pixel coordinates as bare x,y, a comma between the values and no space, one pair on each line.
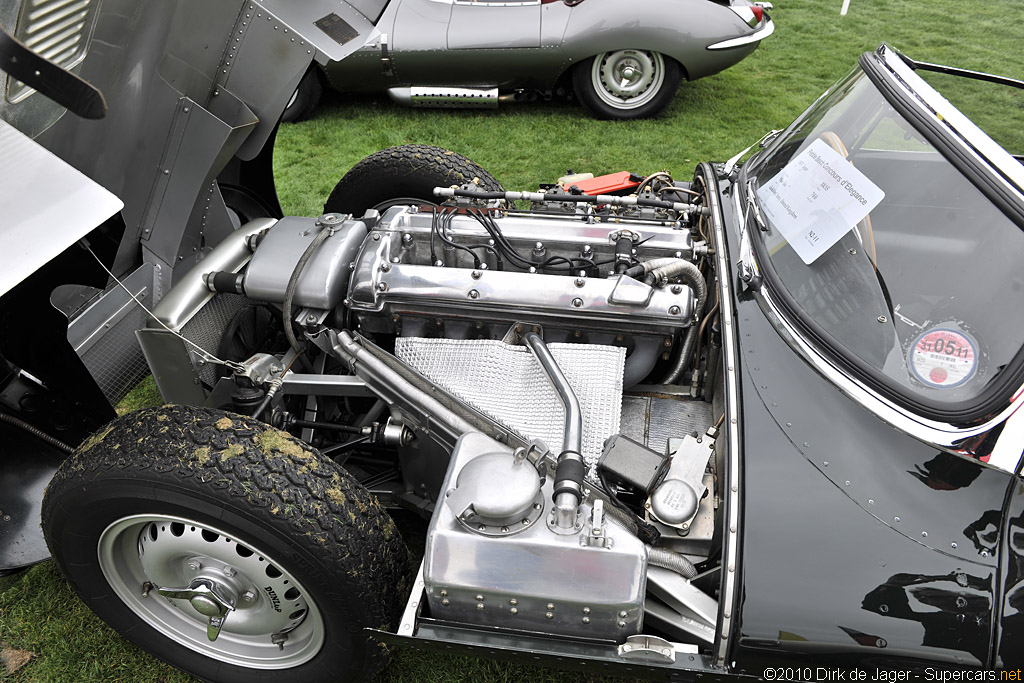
522,145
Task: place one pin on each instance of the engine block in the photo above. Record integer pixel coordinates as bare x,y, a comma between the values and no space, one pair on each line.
403,283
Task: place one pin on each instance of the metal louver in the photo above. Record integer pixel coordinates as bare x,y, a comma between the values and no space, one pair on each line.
58,30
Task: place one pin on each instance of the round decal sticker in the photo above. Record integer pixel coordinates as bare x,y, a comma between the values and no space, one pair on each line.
943,358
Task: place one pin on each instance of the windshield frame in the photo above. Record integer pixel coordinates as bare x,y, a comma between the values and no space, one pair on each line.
984,164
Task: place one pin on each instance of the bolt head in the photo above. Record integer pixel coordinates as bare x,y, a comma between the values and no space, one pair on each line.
194,565
229,572
674,310
382,287
580,282
476,274
248,596
473,294
577,303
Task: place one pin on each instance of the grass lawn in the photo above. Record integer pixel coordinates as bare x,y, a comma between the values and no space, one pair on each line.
524,144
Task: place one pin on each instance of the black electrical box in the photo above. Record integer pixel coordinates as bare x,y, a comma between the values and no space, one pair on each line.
631,464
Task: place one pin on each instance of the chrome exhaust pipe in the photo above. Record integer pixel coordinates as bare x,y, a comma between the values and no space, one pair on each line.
445,97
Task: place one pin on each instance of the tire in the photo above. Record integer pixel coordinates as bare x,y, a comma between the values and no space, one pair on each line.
406,174
626,84
305,98
175,494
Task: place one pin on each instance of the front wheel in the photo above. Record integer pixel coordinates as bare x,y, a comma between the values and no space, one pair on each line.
626,84
405,174
227,548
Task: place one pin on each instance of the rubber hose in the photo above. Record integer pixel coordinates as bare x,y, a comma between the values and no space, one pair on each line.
666,559
647,266
293,284
692,277
38,433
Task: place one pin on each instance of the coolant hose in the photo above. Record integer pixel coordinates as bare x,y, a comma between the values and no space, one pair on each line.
690,274
666,559
293,283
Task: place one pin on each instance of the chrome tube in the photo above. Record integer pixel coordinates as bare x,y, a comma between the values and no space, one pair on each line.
367,367
570,470
573,433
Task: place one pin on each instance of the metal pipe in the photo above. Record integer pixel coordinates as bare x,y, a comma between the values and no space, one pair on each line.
613,200
190,293
573,432
369,368
570,470
641,361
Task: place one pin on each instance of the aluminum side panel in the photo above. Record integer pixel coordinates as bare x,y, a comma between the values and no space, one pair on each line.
420,25
481,25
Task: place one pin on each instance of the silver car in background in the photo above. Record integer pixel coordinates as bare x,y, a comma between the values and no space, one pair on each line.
622,60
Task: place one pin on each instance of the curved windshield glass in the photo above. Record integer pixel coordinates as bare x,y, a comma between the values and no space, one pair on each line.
899,262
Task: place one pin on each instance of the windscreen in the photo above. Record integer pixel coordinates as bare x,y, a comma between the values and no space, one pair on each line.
894,256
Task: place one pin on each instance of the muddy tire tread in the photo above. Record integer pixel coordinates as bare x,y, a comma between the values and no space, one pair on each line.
268,474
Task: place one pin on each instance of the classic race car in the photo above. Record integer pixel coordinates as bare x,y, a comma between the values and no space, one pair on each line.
622,60
761,421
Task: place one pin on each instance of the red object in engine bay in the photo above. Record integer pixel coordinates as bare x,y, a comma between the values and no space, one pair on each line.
607,184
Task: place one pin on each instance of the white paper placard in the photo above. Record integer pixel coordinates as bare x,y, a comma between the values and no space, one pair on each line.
46,205
816,199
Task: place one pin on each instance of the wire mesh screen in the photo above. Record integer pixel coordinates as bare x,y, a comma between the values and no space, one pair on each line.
206,328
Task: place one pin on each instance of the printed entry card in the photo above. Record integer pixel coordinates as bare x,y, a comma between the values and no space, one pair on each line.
816,199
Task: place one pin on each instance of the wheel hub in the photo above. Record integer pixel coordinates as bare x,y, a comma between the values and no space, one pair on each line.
628,78
210,592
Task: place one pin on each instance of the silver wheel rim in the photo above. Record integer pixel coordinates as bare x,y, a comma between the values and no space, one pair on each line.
628,79
170,551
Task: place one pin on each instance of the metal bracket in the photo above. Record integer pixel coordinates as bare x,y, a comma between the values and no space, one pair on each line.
648,649
385,56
